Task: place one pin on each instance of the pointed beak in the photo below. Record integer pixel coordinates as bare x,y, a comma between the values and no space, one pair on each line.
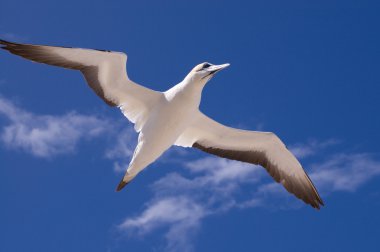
215,68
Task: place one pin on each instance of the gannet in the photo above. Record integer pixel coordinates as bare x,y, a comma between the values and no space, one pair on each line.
168,118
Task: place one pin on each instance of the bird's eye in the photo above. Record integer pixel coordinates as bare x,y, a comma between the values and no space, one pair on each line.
206,65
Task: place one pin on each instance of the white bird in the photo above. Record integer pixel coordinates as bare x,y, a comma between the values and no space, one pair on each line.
173,117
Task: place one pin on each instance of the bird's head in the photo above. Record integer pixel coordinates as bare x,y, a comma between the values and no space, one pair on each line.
203,72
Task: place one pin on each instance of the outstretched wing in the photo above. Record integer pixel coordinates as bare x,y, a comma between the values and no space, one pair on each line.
104,71
262,148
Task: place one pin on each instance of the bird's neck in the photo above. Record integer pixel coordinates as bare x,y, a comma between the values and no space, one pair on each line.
193,85
187,90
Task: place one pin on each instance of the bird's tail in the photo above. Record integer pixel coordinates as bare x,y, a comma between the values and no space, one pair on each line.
124,181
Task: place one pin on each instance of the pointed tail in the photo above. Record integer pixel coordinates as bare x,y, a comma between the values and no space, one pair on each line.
124,181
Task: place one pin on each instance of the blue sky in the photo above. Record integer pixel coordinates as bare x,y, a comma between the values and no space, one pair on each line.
308,71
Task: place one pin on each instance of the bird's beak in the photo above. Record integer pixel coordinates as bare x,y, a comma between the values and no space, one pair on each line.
215,68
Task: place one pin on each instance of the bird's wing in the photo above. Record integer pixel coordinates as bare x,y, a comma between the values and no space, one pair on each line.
262,148
104,71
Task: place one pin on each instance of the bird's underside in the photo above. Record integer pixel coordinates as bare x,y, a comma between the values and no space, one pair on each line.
105,73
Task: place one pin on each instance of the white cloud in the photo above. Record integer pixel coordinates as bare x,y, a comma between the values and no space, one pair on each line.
345,172
180,203
220,170
182,214
46,135
166,210
312,147
121,148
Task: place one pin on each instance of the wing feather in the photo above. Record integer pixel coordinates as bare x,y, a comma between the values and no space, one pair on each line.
104,71
261,148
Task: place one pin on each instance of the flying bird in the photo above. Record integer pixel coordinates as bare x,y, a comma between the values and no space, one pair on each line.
168,118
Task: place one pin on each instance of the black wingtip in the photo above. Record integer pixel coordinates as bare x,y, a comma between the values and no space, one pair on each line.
318,204
321,202
4,42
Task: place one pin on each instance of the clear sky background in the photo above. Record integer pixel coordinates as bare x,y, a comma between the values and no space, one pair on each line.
306,70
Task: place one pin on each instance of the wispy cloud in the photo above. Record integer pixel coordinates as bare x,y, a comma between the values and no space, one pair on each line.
182,214
121,149
46,135
310,148
180,203
216,186
345,172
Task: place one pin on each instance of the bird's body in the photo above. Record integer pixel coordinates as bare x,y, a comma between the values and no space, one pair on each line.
168,118
162,129
172,114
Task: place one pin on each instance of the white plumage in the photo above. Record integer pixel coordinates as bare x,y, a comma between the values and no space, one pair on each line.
173,117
